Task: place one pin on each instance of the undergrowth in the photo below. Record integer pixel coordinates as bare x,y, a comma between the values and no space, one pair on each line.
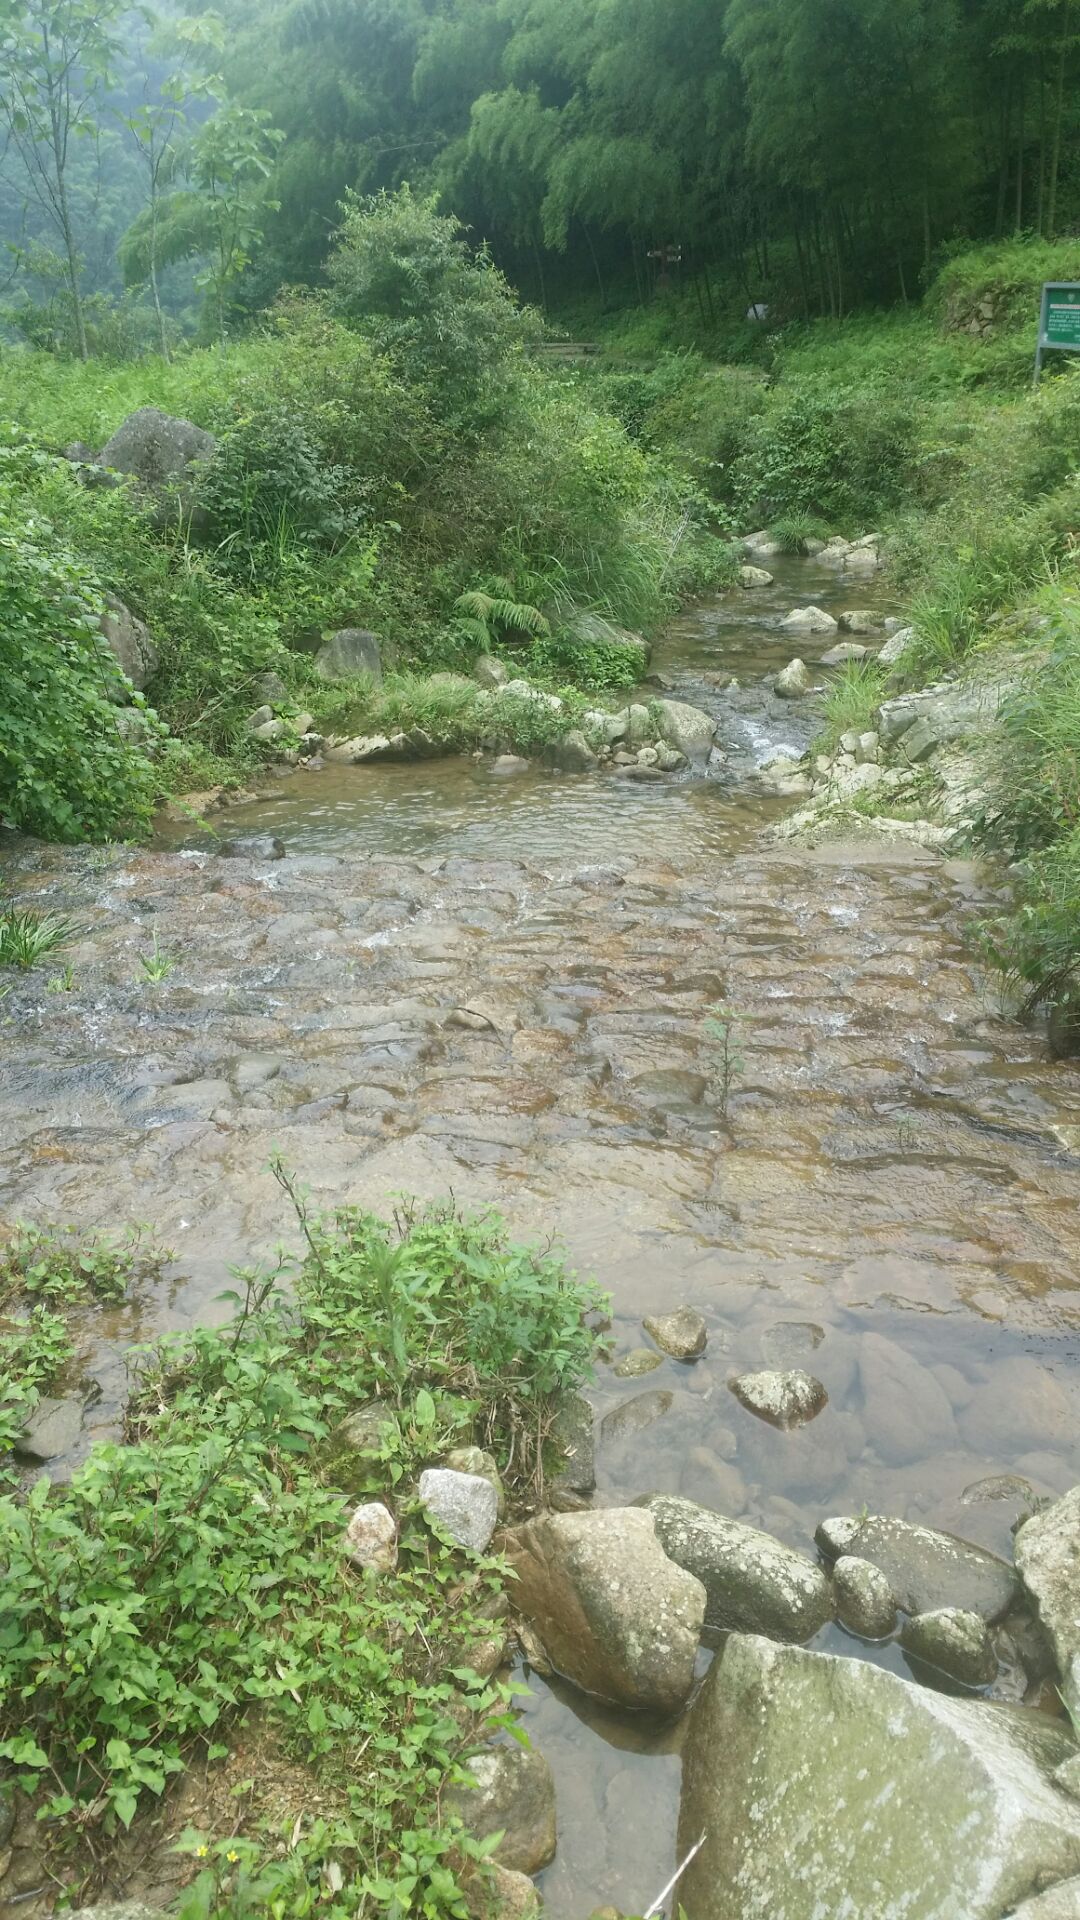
195,1575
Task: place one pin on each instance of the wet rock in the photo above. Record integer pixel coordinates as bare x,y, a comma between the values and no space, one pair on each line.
633,1416
762,543
669,759
51,1430
614,1614
573,1434
843,655
906,1801
925,1569
908,1415
371,1537
514,1795
859,620
790,1340
809,620
506,764
350,651
130,641
252,846
682,1333
955,1642
571,754
864,1598
687,728
475,1460
1048,1558
489,672
783,1399
1057,1903
462,1505
754,1583
793,681
754,577
638,1361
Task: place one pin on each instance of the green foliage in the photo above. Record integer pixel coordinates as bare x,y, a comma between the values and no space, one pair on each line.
1036,947
405,275
795,531
66,771
268,489
156,965
723,1033
836,453
851,703
196,1573
26,937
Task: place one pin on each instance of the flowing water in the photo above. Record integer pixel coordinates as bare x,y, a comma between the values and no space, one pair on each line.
893,1202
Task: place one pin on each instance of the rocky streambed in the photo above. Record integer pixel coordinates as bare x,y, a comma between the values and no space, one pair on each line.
508,990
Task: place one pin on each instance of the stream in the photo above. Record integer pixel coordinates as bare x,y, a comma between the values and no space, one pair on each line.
896,1193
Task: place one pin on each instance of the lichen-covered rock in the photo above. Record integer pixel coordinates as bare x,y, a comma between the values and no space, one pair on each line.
477,1460
793,681
638,1361
682,1333
371,1537
157,449
489,672
464,1506
614,1614
130,641
864,1598
573,1435
925,1569
1048,1557
1057,1903
784,1399
809,620
349,652
955,1642
754,1583
830,1786
571,754
688,728
754,577
514,1794
501,1894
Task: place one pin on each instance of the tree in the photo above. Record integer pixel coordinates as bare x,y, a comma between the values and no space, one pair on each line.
157,127
56,60
232,160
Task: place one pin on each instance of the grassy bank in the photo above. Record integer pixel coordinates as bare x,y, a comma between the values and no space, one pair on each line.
189,1593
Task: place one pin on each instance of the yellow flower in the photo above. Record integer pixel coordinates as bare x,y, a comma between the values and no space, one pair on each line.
201,1853
232,1856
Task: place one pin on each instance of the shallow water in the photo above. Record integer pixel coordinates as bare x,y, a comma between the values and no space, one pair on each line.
893,1202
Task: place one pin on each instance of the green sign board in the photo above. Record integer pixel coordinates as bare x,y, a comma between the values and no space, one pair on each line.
1059,319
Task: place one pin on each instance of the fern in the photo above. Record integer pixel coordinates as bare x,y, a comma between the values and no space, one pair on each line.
493,614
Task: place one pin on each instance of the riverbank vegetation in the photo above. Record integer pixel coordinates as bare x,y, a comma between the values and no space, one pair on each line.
193,1585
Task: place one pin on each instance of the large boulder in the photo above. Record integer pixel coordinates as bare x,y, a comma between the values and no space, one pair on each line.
615,1615
688,728
162,455
131,643
349,652
784,1399
925,1569
571,754
830,1786
513,1794
1048,1556
809,620
793,680
753,1583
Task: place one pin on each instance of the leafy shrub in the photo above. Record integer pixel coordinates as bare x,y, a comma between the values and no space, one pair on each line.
66,772
1036,947
841,453
852,701
267,489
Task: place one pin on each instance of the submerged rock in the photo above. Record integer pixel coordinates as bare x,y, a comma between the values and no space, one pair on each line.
754,1583
613,1612
633,1416
864,1599
682,1333
252,846
844,654
830,1786
955,1642
925,1569
514,1795
783,1399
463,1505
638,1361
1048,1558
